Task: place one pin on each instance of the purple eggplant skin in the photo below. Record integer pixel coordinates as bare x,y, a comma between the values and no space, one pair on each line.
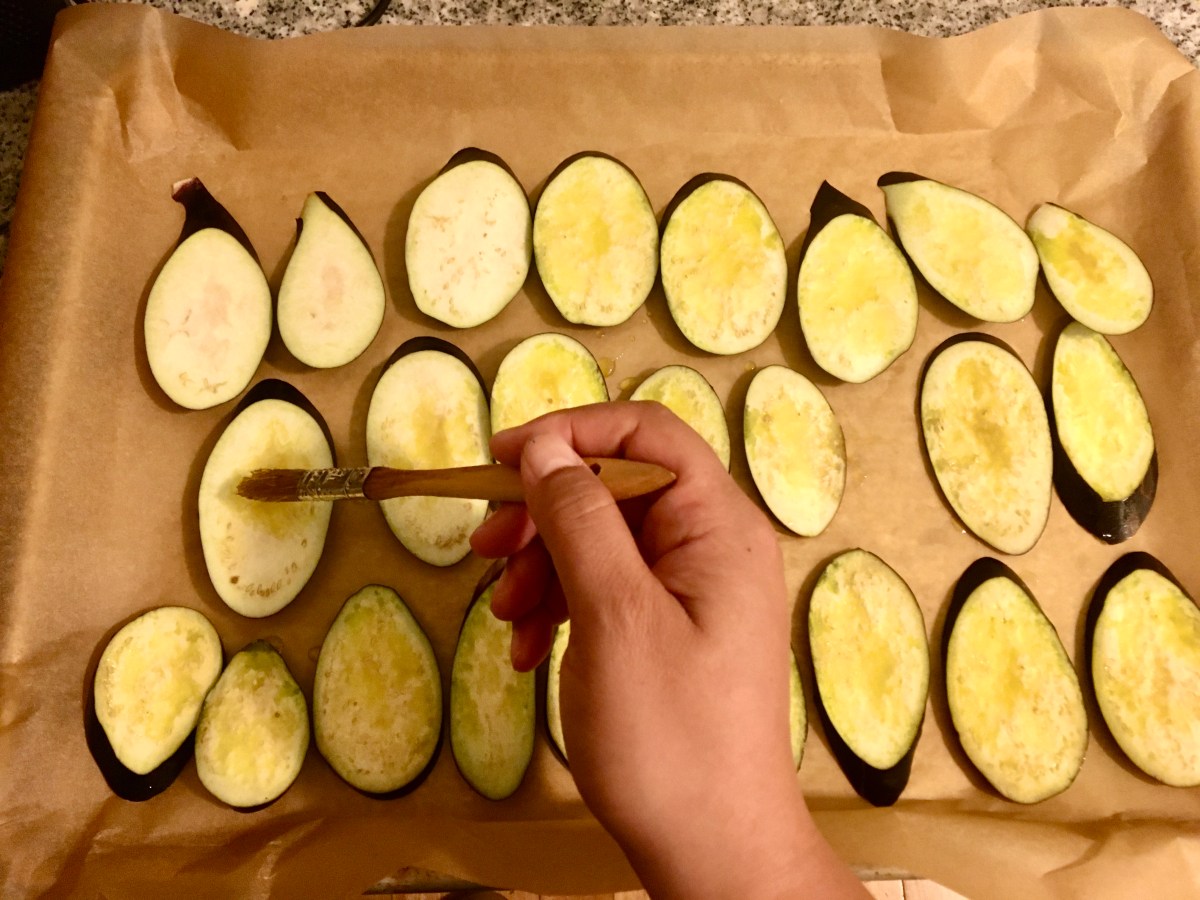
879,787
277,389
428,342
690,187
828,204
475,154
123,782
201,210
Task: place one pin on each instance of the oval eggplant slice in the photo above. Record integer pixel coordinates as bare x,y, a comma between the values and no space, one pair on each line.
871,660
685,392
429,411
558,648
331,300
795,449
797,714
1105,464
1143,640
542,374
988,439
723,266
492,717
208,316
469,241
260,555
595,240
149,687
969,250
1095,275
856,293
377,695
253,731
1014,697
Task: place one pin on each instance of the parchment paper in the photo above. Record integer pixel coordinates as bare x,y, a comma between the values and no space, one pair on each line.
1093,109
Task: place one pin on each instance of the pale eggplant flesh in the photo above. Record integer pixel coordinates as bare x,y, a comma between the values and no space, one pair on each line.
688,394
797,713
541,374
554,728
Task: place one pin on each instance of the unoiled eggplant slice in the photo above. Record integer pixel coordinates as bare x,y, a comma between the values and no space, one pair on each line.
688,394
797,713
1095,275
1014,697
856,293
1105,462
1143,646
542,374
429,411
871,660
969,250
723,266
987,436
558,648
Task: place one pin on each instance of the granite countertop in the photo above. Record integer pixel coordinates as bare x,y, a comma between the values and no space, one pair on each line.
1179,20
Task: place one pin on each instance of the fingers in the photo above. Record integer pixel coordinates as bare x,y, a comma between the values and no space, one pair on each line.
504,532
532,636
523,583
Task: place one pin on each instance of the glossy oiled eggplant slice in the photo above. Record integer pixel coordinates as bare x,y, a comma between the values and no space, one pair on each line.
795,449
871,661
988,439
595,240
723,266
1105,464
1143,644
253,731
208,316
429,411
686,393
1096,276
1014,697
469,240
331,300
856,293
562,637
377,695
492,716
542,374
968,250
260,555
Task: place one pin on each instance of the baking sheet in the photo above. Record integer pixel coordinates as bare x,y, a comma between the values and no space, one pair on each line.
1093,109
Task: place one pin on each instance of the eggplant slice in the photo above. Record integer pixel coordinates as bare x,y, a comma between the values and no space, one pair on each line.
723,266
871,659
377,695
542,374
1095,275
685,392
429,411
260,555
492,715
987,436
558,649
595,240
331,300
856,293
1014,697
1143,642
797,714
208,316
795,449
1105,462
469,240
253,731
968,250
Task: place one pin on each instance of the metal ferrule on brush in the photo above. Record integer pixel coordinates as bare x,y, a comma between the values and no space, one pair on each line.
333,484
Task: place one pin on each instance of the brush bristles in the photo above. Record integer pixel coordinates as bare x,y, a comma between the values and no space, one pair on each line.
272,485
288,485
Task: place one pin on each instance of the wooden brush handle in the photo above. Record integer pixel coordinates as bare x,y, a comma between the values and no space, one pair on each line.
624,478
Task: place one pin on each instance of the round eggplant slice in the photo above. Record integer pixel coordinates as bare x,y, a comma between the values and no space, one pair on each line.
492,717
208,316
685,392
469,241
595,240
1095,275
558,648
723,266
260,555
377,695
253,731
871,659
856,293
988,439
797,714
542,374
1105,463
795,449
1143,639
429,411
331,300
969,250
150,684
1014,697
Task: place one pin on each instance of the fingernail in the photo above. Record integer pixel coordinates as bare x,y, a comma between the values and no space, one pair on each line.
548,453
